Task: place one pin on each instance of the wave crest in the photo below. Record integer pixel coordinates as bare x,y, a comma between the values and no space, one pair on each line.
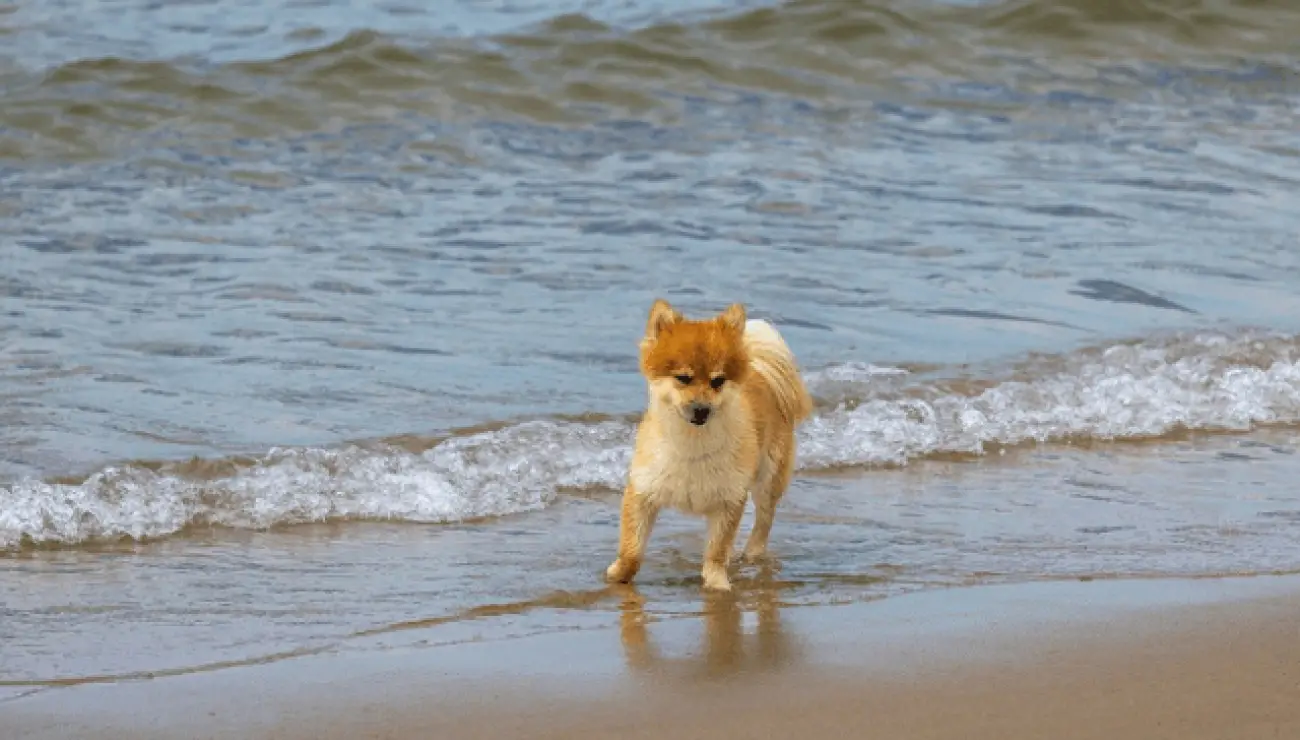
575,69
879,416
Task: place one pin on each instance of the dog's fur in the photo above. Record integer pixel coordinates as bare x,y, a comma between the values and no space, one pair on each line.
725,396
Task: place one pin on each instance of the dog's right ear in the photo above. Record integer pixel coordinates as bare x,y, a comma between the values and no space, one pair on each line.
661,315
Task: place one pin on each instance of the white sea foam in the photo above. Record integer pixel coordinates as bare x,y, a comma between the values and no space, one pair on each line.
1206,382
508,471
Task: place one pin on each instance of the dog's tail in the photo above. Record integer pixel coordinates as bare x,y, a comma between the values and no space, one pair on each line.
771,358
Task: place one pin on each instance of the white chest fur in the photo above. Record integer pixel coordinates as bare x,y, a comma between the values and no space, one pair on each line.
695,474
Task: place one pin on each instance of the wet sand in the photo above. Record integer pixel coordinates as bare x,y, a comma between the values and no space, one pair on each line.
1190,659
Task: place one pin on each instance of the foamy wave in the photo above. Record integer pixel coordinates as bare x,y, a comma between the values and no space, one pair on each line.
496,473
1205,382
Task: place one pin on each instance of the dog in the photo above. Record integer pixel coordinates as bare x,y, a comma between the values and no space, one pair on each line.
725,398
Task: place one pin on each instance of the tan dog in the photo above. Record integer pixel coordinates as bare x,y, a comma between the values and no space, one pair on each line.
725,396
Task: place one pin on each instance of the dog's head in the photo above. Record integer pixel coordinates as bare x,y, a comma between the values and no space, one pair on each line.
694,367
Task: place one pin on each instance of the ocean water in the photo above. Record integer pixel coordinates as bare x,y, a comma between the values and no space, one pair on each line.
318,320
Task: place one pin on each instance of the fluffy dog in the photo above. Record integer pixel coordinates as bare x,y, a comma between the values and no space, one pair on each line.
725,397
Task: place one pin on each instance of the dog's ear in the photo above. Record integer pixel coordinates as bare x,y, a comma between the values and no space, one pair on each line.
661,315
733,317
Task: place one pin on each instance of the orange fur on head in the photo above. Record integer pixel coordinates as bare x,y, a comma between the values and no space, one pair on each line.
701,350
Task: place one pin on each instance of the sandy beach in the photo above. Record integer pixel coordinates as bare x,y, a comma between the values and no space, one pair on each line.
1194,659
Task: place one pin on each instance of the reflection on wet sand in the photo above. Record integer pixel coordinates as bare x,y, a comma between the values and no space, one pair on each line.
726,648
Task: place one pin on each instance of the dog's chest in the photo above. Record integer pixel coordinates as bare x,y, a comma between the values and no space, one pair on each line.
689,481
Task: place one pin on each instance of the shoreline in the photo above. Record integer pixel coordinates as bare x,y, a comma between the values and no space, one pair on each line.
1187,658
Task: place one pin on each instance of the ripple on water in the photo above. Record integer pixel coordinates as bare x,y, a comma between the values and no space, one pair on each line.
237,237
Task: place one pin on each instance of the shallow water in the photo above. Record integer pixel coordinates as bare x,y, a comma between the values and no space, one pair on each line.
318,320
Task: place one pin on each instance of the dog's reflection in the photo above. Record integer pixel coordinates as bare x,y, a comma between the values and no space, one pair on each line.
725,650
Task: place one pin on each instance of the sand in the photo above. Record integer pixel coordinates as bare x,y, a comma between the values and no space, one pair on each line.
1147,659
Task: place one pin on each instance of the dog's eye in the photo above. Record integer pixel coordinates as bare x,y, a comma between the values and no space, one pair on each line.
717,382
684,379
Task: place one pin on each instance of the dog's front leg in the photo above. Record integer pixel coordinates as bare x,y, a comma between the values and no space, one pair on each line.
635,525
723,525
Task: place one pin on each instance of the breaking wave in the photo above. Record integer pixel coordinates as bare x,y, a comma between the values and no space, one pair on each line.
869,416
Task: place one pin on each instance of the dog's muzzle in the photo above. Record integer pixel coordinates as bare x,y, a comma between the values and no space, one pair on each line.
699,413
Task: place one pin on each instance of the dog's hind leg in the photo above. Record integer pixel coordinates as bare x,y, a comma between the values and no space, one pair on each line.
768,490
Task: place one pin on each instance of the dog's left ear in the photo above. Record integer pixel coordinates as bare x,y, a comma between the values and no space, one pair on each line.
662,315
733,317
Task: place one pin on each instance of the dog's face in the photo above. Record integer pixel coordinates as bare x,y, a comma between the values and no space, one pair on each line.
694,368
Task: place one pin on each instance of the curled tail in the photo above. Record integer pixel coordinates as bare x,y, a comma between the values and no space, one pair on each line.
770,357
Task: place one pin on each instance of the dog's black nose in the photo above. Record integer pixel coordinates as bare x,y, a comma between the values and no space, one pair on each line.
699,415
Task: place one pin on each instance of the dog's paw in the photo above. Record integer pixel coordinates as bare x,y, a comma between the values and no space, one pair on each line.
715,579
754,555
621,571
718,584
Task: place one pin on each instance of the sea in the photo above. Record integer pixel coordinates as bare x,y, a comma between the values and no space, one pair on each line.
319,318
